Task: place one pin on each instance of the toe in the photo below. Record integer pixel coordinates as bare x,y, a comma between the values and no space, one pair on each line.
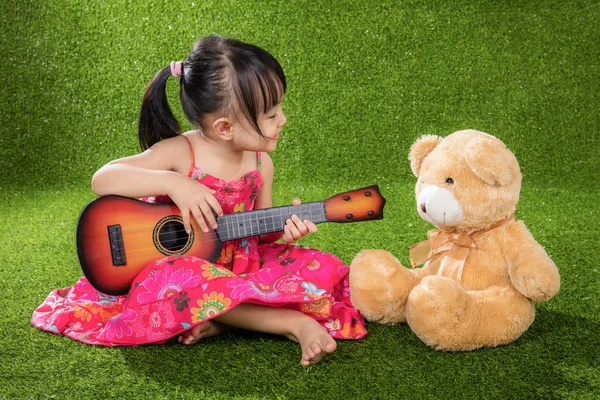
330,346
316,348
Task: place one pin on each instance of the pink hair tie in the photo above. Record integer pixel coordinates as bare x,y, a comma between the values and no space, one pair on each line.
176,68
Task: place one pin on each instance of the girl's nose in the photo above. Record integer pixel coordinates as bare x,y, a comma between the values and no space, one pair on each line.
283,120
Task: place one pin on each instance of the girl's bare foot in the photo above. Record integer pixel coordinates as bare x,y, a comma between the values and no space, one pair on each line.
314,341
202,331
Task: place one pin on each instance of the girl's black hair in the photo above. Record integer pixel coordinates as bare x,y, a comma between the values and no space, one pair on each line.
220,74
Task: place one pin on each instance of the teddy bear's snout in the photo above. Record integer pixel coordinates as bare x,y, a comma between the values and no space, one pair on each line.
439,206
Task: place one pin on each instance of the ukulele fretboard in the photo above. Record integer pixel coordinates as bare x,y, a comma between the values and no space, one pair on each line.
260,222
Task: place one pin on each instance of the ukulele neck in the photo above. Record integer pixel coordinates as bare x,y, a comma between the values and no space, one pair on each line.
260,222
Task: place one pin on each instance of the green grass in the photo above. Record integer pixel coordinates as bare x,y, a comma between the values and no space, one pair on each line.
365,80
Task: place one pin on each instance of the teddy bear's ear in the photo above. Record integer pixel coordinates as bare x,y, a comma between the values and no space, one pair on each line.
421,149
491,161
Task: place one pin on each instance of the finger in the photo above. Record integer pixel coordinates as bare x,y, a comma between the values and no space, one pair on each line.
214,204
312,228
208,215
293,229
302,229
200,218
287,236
185,218
296,202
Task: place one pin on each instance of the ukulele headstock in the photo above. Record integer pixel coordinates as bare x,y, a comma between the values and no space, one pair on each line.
357,205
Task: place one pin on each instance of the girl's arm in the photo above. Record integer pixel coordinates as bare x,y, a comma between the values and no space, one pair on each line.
160,170
150,173
295,228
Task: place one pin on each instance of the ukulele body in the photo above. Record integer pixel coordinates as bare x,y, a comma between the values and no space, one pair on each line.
118,236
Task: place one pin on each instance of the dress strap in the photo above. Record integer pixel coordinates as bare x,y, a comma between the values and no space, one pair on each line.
259,161
193,164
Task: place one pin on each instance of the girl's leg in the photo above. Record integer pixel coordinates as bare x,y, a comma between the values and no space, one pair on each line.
313,338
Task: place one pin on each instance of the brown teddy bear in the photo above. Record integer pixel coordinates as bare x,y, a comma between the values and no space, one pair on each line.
483,270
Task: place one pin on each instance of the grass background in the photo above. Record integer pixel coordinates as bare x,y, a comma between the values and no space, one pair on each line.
365,80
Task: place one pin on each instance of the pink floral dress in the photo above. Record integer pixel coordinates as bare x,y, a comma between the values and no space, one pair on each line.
175,293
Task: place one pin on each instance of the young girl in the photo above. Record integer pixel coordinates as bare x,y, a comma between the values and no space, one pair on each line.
232,93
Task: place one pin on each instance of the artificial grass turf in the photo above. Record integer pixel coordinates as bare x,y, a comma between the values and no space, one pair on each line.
364,81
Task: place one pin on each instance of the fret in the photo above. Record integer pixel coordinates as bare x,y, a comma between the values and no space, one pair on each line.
243,224
277,217
272,225
259,220
303,211
315,215
235,228
243,227
238,226
254,221
317,212
248,224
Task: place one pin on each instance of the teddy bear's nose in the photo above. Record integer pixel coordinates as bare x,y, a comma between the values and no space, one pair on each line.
424,208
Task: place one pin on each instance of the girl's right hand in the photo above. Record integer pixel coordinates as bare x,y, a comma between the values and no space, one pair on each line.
194,198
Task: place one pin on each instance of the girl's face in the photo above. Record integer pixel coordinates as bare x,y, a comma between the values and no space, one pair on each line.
270,124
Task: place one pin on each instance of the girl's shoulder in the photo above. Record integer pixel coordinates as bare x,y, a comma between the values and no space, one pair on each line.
177,144
266,164
177,151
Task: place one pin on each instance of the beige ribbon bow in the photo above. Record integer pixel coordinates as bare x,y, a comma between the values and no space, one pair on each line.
454,245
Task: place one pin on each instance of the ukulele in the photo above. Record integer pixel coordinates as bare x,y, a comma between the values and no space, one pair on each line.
117,236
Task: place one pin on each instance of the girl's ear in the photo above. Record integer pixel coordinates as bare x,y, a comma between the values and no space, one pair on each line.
421,149
222,127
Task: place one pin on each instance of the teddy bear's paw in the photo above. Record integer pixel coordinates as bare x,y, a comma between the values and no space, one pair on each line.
379,286
536,286
437,303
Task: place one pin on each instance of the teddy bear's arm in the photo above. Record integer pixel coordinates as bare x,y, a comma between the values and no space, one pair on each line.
531,271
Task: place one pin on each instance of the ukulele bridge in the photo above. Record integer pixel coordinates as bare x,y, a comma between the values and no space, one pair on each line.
115,238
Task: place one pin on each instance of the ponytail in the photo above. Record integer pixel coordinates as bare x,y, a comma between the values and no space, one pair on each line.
156,121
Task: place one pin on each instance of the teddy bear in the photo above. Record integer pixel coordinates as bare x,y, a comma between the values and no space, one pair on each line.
482,271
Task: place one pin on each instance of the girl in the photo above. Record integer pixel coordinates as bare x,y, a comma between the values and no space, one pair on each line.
231,92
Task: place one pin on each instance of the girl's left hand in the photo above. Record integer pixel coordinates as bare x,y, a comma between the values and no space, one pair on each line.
295,228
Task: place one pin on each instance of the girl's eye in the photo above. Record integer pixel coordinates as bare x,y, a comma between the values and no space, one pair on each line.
450,181
272,116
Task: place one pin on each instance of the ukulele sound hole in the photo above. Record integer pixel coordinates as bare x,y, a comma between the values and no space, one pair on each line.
170,236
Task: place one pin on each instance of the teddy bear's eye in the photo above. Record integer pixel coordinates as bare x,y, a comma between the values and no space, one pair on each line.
450,181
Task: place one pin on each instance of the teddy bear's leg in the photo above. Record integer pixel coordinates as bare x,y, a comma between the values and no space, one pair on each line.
447,317
379,286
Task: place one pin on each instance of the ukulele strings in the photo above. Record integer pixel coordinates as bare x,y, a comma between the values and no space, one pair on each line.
145,229
137,233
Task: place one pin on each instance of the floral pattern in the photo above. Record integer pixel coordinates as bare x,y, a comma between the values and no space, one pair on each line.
165,283
333,324
211,271
321,308
210,306
174,293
